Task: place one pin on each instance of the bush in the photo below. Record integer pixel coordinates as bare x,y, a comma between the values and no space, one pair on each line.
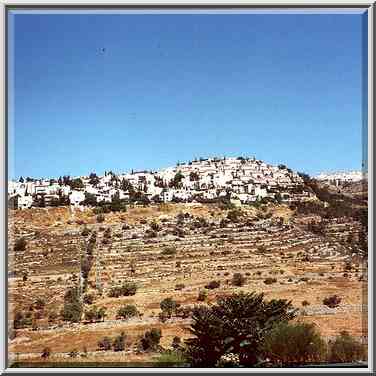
169,251
346,349
269,280
332,301
236,324
170,358
238,279
179,286
119,342
169,306
46,352
100,218
95,314
85,232
88,299
129,289
20,245
105,344
150,340
72,309
305,303
21,320
213,285
290,344
127,311
234,215
202,295
176,341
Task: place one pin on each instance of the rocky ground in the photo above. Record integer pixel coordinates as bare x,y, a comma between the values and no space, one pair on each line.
162,246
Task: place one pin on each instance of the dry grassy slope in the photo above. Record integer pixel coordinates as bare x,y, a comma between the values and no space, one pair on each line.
203,258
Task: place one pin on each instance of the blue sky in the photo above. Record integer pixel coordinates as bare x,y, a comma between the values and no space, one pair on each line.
283,88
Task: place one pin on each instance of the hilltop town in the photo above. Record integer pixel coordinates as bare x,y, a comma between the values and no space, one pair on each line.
110,270
243,180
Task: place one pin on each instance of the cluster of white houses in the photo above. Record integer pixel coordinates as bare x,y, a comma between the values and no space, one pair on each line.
242,179
338,178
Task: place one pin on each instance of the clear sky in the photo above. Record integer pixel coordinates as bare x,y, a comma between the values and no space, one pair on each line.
283,88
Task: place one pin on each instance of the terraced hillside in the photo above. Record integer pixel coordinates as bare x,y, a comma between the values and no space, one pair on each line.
177,251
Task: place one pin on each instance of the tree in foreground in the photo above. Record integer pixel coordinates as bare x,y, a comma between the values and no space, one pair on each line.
236,324
345,348
291,344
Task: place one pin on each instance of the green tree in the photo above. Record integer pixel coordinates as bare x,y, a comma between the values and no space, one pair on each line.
345,349
290,344
235,324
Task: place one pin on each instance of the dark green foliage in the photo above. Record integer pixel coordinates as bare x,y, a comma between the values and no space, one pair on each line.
234,215
127,289
76,183
39,304
169,251
150,340
72,309
346,349
105,344
332,301
169,306
269,280
238,279
291,344
95,314
127,311
90,199
22,320
235,324
202,295
46,353
20,245
119,342
85,232
213,285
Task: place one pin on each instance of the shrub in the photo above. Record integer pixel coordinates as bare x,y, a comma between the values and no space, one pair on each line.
332,301
85,232
21,320
174,358
129,289
20,245
169,251
169,306
100,218
345,349
88,299
179,286
234,215
288,344
213,285
237,324
127,311
238,279
119,342
72,309
269,280
202,295
176,341
305,303
150,340
95,314
46,352
105,344
39,303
